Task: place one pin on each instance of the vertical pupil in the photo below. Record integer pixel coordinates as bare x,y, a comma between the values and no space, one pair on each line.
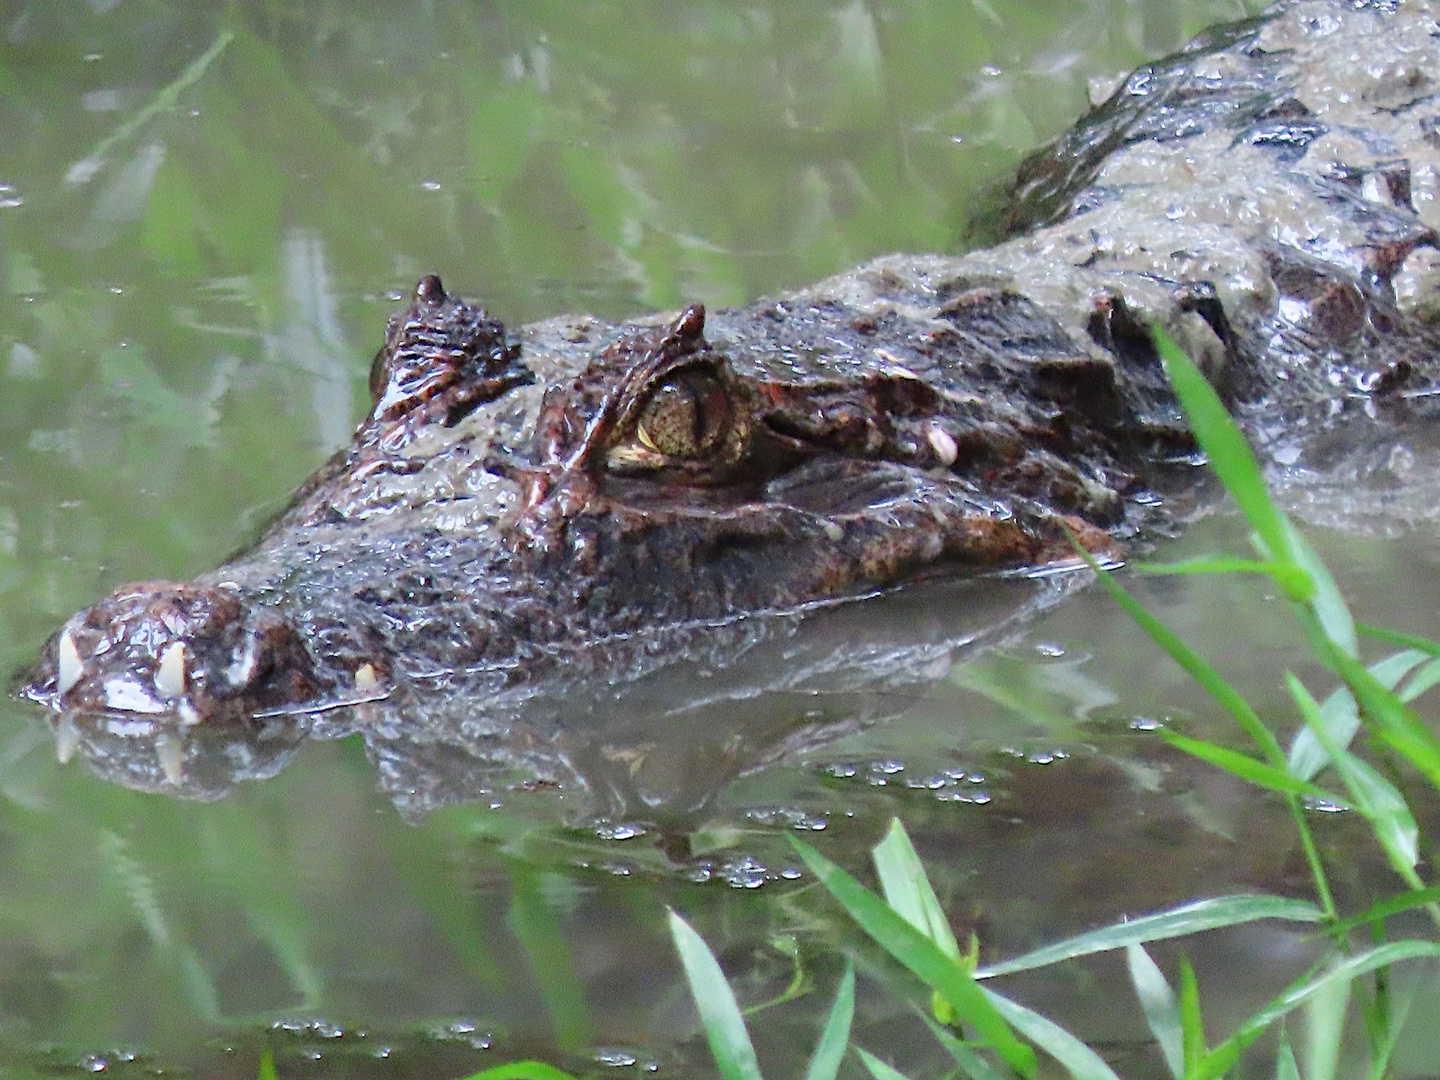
684,416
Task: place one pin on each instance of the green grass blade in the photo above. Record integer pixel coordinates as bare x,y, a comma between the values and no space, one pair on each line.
1179,921
835,1036
1340,716
971,1063
1327,603
1381,1052
1162,1011
730,1043
521,1070
1206,677
922,956
1370,793
878,1069
1079,1060
1192,1025
1428,646
1228,453
1392,906
266,1071
1287,574
1247,768
1324,1030
1424,679
1394,723
1224,1056
908,890
1286,1068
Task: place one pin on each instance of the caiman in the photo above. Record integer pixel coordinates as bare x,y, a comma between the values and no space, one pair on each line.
588,499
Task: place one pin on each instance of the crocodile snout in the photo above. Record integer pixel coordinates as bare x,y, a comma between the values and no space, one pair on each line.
163,650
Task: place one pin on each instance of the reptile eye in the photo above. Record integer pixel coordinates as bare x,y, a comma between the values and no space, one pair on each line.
685,417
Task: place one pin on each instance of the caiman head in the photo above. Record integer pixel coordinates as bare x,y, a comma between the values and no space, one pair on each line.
651,483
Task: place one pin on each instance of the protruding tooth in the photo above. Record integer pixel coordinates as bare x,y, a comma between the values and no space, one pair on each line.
169,751
366,679
944,445
67,738
170,676
69,667
188,714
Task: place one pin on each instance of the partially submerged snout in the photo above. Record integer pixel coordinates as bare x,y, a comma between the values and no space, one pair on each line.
188,653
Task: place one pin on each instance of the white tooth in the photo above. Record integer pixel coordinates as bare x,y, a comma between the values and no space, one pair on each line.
945,446
70,667
242,667
188,715
170,677
168,750
366,679
67,738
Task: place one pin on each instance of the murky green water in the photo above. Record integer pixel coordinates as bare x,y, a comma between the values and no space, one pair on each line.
206,213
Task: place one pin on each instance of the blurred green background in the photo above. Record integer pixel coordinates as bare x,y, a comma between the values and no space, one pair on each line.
207,212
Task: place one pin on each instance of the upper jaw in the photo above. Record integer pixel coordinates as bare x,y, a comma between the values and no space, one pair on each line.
186,653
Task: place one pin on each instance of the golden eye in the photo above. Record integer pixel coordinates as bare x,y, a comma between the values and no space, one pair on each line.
686,417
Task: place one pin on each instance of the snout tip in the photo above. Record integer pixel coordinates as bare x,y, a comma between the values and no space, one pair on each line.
183,652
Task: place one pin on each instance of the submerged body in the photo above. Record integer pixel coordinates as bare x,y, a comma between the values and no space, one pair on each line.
591,499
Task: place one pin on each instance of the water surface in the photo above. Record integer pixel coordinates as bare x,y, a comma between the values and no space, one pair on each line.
207,212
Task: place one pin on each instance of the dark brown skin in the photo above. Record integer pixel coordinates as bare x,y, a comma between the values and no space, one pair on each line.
659,488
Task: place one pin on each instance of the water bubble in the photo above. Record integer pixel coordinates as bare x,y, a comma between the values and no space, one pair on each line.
619,831
9,197
1050,649
615,1058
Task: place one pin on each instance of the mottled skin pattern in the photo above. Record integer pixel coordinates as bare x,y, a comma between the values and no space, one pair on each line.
627,517
590,499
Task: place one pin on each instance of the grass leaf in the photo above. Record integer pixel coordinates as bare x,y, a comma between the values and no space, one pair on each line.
1179,921
908,890
1162,1011
1396,725
835,1036
1286,1068
1225,448
1246,767
1324,1030
1081,1062
1192,1025
1291,579
1340,716
878,1068
1224,1056
1374,796
922,956
1428,646
1328,605
1391,906
1424,679
521,1070
266,1070
970,1062
719,1011
1206,677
